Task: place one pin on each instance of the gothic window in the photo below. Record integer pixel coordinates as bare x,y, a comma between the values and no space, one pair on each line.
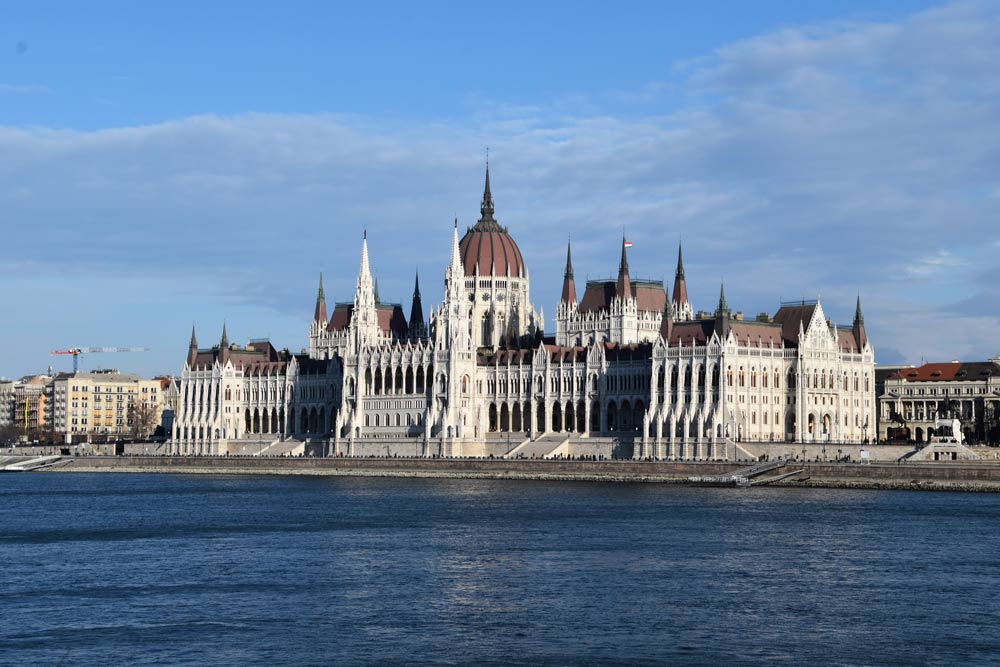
743,377
729,376
485,328
753,377
687,378
763,378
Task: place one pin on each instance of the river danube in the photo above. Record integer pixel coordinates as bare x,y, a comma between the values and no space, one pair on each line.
145,569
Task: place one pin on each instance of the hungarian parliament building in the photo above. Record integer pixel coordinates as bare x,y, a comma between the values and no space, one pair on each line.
632,371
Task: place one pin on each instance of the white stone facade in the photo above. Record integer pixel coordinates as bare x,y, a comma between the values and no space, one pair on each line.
627,363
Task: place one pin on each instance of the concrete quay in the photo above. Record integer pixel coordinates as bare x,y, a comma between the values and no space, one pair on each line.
958,476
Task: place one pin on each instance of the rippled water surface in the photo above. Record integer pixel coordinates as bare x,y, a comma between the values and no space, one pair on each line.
138,569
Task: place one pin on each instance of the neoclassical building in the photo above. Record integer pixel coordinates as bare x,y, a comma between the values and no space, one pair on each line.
630,371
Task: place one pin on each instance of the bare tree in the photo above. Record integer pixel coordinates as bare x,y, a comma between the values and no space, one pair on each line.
144,418
9,434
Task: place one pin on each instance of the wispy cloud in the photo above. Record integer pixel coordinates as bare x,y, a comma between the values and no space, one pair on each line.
837,158
23,89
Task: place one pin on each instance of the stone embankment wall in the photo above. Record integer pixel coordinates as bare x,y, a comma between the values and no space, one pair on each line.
961,476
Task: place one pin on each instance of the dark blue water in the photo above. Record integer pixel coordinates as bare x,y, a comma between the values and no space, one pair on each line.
120,569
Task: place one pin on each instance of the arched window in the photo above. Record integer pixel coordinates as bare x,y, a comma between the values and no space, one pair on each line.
743,377
485,328
729,376
753,377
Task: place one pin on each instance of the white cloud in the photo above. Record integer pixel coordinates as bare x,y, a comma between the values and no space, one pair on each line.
820,158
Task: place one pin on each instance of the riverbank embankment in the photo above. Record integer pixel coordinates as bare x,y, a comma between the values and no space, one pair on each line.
963,476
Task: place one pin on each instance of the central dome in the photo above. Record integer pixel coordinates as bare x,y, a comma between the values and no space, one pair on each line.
488,246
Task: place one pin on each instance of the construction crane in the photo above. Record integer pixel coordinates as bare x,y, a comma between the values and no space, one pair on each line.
77,351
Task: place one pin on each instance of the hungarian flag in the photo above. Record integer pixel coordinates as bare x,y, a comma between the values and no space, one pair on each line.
628,244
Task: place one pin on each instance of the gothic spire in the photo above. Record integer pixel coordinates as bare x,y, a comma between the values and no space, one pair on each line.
667,323
486,208
224,346
319,315
722,314
860,335
417,327
569,284
680,295
192,348
624,287
365,270
723,306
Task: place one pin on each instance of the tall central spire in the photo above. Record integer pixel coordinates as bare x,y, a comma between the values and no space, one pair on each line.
486,208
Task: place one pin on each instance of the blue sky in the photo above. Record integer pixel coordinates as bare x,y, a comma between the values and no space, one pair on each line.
170,164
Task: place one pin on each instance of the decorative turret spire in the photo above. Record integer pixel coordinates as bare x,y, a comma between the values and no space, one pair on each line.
667,323
224,345
192,348
364,320
569,284
860,335
680,294
319,315
722,314
624,287
417,327
455,271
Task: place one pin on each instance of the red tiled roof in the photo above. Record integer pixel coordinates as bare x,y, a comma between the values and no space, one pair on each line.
648,294
945,372
789,317
391,319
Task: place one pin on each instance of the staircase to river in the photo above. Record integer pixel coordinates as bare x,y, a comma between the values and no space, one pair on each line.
539,448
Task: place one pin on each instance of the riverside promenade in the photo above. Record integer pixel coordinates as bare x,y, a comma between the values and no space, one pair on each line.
952,476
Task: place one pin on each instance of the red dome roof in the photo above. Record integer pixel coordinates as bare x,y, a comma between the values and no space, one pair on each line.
492,249
488,245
